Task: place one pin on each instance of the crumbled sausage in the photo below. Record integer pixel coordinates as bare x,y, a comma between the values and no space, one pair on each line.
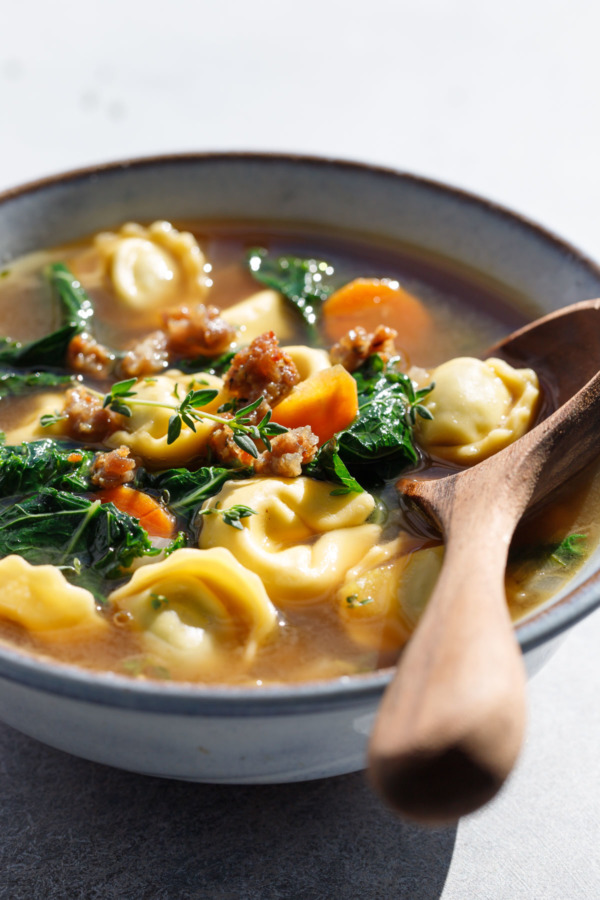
223,449
197,331
358,344
86,355
147,357
289,451
113,469
85,417
262,369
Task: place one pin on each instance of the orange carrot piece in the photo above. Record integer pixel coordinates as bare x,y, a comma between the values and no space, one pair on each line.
371,302
327,401
157,520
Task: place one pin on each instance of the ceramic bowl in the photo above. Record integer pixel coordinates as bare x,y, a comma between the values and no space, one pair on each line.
279,733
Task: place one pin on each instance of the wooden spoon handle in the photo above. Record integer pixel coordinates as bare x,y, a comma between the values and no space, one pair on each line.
451,722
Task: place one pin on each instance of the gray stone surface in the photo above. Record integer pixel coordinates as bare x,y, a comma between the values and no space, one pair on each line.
73,829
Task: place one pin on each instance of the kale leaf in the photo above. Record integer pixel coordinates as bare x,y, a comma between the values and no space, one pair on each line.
13,384
212,366
50,350
45,463
185,490
379,443
92,542
305,283
328,466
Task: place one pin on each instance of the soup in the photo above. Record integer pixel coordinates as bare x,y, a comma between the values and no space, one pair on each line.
204,426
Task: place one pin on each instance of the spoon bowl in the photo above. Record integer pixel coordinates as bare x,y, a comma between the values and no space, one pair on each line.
452,720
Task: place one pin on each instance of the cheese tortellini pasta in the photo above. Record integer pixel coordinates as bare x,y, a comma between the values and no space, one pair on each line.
264,311
478,408
300,539
30,427
145,432
197,603
380,607
154,266
40,599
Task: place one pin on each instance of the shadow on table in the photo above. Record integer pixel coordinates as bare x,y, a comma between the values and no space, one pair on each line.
75,829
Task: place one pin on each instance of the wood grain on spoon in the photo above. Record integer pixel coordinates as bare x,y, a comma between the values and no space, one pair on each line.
451,723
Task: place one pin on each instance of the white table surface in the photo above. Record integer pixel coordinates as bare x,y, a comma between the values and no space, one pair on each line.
502,101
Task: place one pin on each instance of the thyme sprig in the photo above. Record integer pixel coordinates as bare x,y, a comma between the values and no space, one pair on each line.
189,410
231,515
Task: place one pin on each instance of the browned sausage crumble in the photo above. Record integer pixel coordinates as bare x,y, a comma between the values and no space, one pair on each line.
113,469
86,419
262,370
87,356
358,344
289,451
199,331
147,357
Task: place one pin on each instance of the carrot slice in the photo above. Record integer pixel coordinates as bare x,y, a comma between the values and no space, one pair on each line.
327,401
157,520
371,302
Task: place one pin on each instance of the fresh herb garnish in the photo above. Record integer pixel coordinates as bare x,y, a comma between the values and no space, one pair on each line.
305,283
188,411
232,515
353,601
157,601
186,491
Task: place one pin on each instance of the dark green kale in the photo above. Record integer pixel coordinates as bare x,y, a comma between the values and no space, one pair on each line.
41,464
92,542
379,443
328,466
186,491
215,366
14,384
305,283
76,310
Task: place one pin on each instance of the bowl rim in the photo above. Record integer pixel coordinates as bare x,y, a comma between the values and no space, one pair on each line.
182,698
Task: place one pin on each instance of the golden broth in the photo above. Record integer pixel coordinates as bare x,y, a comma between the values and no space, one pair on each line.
309,642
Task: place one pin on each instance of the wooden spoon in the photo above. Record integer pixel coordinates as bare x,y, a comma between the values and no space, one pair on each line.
452,721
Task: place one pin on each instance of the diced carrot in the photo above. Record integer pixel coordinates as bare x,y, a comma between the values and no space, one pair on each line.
371,302
157,520
327,401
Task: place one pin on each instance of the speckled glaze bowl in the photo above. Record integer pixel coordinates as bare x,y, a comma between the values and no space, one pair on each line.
278,733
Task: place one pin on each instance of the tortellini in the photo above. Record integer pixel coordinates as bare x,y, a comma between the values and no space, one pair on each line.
146,431
197,602
30,427
478,408
40,599
308,360
300,540
264,311
154,266
380,607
